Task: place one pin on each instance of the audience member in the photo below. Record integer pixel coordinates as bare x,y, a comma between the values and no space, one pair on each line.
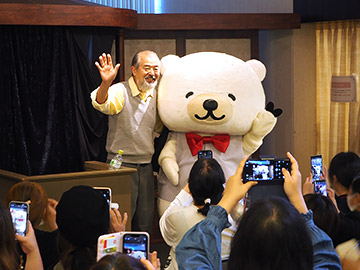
120,261
82,216
9,258
343,167
272,234
325,214
350,222
191,205
42,215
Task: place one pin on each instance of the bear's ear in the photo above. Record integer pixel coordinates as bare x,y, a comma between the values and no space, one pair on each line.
258,68
167,62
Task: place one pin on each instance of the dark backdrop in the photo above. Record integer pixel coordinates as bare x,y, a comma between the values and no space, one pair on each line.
47,74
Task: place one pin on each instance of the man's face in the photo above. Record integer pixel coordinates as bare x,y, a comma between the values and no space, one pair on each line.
147,74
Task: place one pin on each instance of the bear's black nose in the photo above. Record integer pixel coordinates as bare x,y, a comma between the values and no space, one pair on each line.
210,105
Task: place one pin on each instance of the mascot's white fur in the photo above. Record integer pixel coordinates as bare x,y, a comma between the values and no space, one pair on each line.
209,93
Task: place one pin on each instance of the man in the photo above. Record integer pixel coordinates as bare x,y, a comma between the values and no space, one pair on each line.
132,108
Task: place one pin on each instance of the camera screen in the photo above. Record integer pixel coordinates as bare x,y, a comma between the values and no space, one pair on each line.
135,245
204,154
316,167
19,217
320,187
264,170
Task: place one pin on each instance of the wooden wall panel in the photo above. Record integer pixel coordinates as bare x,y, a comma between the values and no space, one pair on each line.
69,15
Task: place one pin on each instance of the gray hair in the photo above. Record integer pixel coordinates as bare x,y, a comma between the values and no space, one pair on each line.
135,62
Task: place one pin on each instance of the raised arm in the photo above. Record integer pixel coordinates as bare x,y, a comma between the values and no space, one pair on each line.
324,254
30,247
108,74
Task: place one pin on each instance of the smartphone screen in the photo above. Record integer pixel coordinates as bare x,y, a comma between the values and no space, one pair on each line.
265,169
20,215
106,192
136,244
204,154
320,187
316,167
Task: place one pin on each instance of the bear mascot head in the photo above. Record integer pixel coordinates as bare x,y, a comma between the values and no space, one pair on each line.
209,101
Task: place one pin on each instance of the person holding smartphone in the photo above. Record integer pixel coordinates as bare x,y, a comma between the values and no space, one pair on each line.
82,215
42,216
9,259
191,205
350,222
259,241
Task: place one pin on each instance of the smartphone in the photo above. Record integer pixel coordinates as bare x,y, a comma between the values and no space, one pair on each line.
136,244
204,154
108,244
320,187
106,192
264,170
20,216
316,167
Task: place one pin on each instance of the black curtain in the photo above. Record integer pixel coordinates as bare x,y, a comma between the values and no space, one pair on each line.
47,122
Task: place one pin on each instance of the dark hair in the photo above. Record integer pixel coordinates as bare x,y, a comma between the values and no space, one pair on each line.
344,166
8,253
325,213
135,62
271,235
118,261
34,192
355,185
206,180
74,257
82,215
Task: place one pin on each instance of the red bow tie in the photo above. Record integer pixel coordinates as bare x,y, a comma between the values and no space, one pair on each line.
195,142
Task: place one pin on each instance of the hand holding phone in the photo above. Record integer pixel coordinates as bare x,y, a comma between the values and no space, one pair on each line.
20,216
135,244
117,222
28,242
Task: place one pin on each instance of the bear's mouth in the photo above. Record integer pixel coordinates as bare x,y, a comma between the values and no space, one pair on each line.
209,114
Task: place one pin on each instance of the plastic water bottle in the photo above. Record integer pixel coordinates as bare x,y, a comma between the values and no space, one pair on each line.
116,161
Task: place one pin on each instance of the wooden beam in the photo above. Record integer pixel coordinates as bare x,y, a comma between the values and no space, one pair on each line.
69,15
180,44
120,55
231,21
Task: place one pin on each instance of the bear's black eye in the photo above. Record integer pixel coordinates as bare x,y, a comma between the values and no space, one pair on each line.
189,94
232,97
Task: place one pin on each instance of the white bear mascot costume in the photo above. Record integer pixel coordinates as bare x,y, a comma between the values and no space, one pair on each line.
209,101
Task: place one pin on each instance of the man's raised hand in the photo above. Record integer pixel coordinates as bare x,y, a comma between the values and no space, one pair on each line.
106,69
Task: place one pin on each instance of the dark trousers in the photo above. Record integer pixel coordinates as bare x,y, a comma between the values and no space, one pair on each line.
142,197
